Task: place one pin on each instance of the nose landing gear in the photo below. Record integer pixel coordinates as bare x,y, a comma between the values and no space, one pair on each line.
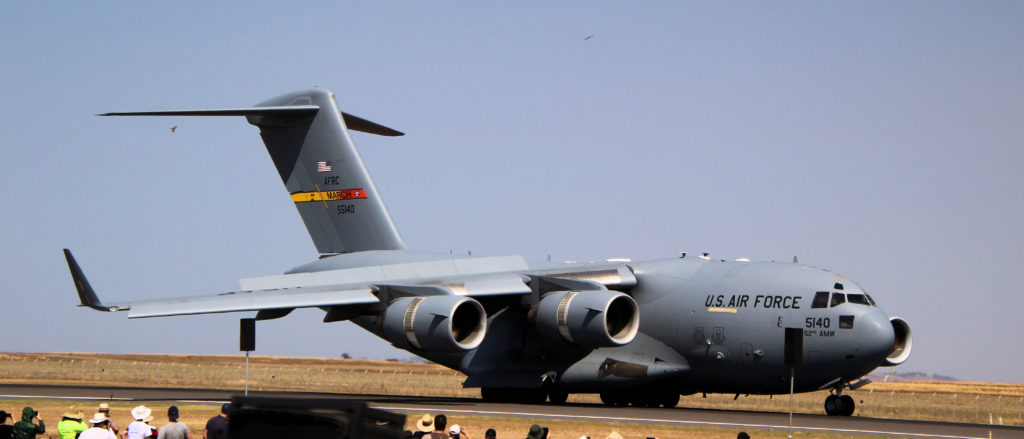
839,405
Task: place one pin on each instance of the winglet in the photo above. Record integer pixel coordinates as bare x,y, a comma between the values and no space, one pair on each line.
85,291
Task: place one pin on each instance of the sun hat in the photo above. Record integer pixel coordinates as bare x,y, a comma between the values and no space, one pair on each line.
142,413
73,414
455,429
425,424
98,417
104,407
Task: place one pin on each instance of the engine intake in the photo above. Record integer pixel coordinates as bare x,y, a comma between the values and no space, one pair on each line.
902,343
435,323
594,319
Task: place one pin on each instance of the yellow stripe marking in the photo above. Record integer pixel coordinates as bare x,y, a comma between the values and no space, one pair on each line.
728,310
325,196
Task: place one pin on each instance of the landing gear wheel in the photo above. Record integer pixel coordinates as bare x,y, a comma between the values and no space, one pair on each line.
494,394
847,405
517,396
614,399
558,396
833,405
670,400
532,396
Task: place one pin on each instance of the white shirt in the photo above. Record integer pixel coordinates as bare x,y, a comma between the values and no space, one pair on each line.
97,433
138,430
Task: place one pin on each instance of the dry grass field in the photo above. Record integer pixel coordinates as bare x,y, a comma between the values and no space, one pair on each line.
956,401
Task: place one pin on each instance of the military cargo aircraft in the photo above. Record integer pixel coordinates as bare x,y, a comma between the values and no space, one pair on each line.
637,333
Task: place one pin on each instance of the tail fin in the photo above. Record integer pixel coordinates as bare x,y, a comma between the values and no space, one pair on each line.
307,138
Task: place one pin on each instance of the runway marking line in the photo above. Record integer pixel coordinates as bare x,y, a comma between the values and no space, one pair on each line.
669,421
105,398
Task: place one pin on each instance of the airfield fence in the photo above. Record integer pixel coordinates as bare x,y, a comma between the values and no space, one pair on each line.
983,403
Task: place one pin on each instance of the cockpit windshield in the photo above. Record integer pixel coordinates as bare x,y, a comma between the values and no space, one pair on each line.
859,299
824,299
820,300
838,299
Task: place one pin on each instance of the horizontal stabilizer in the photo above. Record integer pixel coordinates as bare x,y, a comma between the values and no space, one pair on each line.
354,123
251,111
357,123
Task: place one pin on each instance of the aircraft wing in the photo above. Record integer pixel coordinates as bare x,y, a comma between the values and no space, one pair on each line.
335,291
282,300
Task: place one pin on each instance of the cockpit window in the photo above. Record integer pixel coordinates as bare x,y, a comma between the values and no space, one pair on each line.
870,300
838,299
859,299
820,300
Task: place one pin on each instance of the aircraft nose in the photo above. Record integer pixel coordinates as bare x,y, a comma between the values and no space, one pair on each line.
875,335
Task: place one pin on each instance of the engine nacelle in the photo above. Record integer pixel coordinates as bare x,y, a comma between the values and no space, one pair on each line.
593,319
904,340
435,323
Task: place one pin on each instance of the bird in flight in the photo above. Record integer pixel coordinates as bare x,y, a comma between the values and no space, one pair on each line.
174,128
588,37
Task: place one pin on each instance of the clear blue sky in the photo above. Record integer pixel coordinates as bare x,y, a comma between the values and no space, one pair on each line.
881,140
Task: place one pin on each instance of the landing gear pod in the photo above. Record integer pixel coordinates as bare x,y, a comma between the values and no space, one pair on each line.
593,319
435,323
904,340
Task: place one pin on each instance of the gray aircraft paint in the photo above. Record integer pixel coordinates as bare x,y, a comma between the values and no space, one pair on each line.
308,140
703,325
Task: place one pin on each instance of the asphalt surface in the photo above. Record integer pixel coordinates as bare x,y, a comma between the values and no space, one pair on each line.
677,416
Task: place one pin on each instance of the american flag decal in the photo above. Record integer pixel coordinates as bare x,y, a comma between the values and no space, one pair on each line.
323,166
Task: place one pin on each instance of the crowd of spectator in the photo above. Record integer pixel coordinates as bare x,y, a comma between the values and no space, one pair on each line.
75,425
434,427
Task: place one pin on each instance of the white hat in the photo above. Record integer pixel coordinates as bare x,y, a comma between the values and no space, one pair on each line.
99,417
425,424
142,413
455,429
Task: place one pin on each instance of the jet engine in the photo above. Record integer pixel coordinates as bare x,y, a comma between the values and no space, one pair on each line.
593,319
901,344
435,323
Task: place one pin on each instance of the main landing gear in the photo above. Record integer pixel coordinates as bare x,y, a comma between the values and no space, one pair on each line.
667,399
523,396
635,398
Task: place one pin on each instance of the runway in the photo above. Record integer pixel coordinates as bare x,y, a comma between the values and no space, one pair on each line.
677,416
